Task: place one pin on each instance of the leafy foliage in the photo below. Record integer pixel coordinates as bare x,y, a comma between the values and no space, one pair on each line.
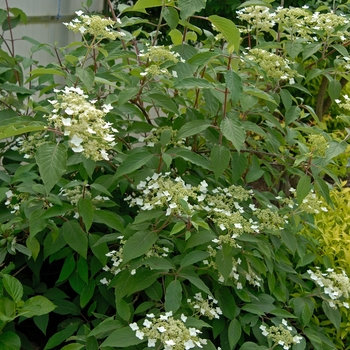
156,199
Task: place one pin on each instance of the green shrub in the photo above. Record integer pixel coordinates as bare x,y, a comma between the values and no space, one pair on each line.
156,199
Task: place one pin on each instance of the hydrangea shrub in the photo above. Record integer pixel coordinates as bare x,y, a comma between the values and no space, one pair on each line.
156,198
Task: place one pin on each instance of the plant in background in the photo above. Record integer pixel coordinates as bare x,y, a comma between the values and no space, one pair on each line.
157,198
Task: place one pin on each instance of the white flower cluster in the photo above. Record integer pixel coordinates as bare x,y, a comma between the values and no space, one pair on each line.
98,27
311,204
83,123
335,285
155,135
259,18
170,332
281,335
345,104
205,307
223,206
274,66
158,55
295,22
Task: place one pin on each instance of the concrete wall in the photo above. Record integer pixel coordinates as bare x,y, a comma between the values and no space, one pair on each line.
45,19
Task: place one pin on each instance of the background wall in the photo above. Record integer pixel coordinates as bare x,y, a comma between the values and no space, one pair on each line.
44,24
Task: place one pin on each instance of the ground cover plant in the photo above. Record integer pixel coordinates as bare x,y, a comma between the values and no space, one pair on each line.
159,197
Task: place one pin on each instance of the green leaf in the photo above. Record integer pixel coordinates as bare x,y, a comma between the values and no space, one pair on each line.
292,114
127,94
224,263
293,48
63,335
87,76
173,296
259,94
51,159
226,302
13,287
193,83
34,246
36,306
144,4
220,159
10,341
75,237
19,129
142,280
73,346
286,98
123,309
122,338
189,8
171,16
43,71
234,332
239,165
107,325
334,89
193,257
86,211
229,30
335,148
165,102
234,131
133,162
191,157
108,218
156,263
310,49
303,188
67,268
194,279
138,244
282,313
234,84
253,309
16,89
87,293
332,314
193,127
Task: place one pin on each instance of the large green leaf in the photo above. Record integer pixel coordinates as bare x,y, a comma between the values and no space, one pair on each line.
121,338
51,159
13,287
189,8
133,162
165,102
190,157
220,159
333,314
10,341
234,131
192,128
86,211
19,129
228,29
87,76
142,280
108,218
193,83
36,306
234,332
195,280
75,237
138,244
173,296
224,263
193,257
234,84
144,4
303,188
